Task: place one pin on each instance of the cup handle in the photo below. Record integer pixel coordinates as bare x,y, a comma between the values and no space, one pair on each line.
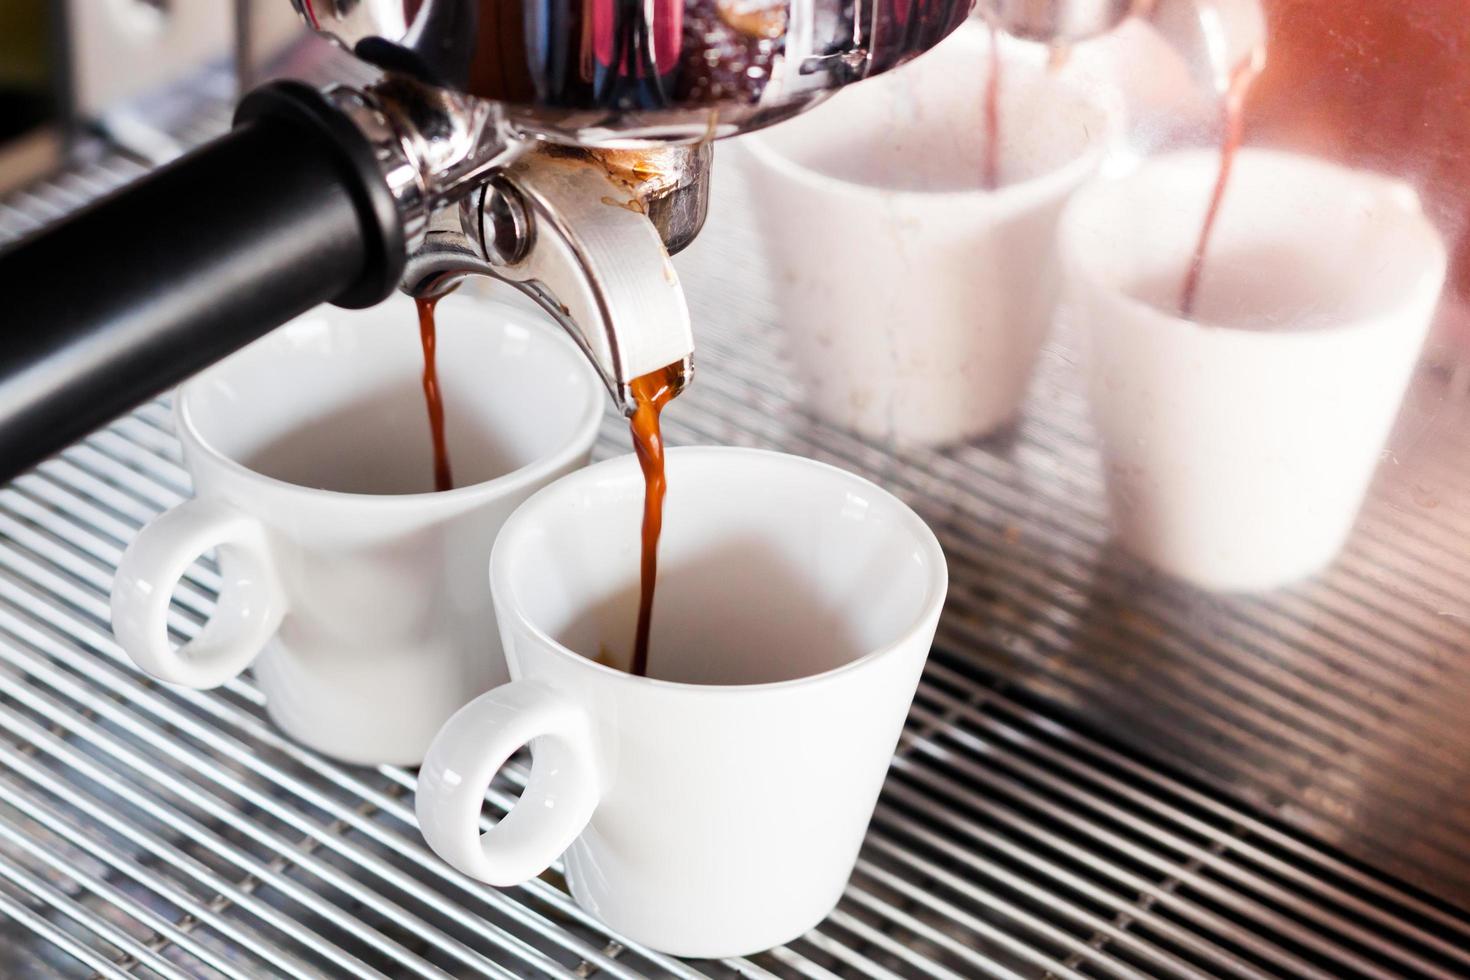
251,603
469,750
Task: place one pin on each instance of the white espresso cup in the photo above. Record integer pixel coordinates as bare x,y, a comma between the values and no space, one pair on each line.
915,301
356,591
795,608
1238,444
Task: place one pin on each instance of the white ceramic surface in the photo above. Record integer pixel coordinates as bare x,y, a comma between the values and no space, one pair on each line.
1238,447
915,301
795,609
356,593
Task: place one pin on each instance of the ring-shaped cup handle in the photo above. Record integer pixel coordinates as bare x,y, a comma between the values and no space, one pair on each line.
250,607
469,750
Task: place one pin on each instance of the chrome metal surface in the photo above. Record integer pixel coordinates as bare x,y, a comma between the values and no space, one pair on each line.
597,265
669,183
400,170
464,240
572,233
492,227
148,831
617,73
585,232
453,143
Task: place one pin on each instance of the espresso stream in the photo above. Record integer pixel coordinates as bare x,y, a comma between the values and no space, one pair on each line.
651,392
990,168
433,398
1234,112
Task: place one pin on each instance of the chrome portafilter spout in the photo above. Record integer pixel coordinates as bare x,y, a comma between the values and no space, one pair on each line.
585,233
1213,37
588,239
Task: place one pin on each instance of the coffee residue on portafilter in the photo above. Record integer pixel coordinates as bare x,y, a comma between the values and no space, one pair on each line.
1233,111
433,398
651,392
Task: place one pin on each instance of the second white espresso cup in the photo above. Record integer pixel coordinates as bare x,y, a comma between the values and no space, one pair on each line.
1238,444
915,300
796,604
353,589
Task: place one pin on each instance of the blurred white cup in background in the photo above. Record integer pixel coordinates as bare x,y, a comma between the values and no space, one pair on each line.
1238,446
916,301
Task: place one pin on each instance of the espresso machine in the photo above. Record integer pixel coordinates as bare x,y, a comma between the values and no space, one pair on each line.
1105,770
562,148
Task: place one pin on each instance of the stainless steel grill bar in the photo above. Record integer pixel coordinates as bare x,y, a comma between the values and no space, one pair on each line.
912,960
745,968
82,564
861,964
337,812
975,960
1053,897
160,925
1030,836
822,944
100,965
90,528
1230,843
1094,756
1090,827
800,965
34,886
297,855
1205,857
11,686
1080,948
244,939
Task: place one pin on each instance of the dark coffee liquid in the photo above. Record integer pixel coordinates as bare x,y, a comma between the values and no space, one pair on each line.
1234,111
990,166
443,478
651,393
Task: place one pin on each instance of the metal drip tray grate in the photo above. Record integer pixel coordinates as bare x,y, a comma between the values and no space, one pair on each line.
151,832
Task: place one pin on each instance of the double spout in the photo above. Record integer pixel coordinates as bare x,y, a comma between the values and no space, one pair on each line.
586,234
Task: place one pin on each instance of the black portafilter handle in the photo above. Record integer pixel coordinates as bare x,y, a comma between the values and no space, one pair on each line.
135,293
